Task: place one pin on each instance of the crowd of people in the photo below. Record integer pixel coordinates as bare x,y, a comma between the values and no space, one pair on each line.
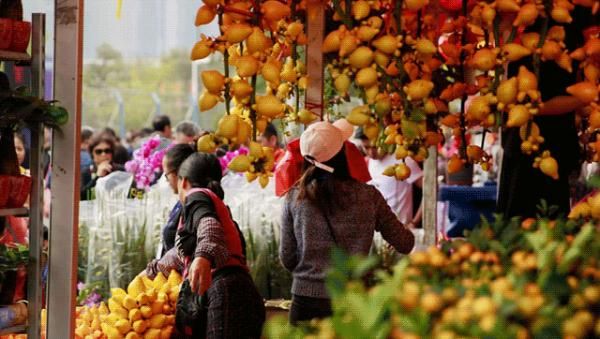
202,241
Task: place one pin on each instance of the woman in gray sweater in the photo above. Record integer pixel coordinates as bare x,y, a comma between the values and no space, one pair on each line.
328,208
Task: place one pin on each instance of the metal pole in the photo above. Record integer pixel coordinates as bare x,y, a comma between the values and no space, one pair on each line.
156,100
121,108
430,190
36,217
64,219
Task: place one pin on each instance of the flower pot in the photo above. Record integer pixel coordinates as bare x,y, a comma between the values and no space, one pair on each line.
20,187
6,26
21,35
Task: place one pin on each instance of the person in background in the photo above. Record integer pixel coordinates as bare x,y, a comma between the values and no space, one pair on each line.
171,163
121,154
397,193
327,208
270,138
21,152
162,125
47,156
85,159
186,132
210,247
522,187
102,148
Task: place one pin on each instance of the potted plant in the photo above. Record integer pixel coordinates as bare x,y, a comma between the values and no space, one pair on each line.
11,259
18,108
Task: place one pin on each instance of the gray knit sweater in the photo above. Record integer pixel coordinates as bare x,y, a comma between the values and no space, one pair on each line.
306,241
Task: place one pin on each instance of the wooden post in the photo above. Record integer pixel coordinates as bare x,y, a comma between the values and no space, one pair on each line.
36,217
64,219
430,191
314,56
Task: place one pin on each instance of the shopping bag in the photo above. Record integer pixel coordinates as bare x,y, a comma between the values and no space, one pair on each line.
190,314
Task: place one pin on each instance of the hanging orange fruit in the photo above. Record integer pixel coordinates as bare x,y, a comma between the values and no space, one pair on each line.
207,101
342,83
360,9
584,91
507,91
366,33
474,153
241,89
257,42
484,59
201,50
361,57
332,42
455,164
418,89
507,6
402,171
213,81
518,116
205,15
274,11
269,106
348,44
366,77
415,5
387,44
246,66
515,51
527,15
237,33
271,71
549,167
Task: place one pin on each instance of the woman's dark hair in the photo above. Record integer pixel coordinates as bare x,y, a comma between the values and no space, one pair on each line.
319,186
100,138
177,155
19,135
203,170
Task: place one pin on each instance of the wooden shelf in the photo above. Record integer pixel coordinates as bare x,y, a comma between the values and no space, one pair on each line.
14,330
14,56
15,212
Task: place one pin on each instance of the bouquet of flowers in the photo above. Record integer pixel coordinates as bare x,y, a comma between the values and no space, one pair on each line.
146,163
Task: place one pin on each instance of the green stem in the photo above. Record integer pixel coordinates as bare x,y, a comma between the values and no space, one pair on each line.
342,14
419,22
497,30
348,15
253,116
483,138
225,66
295,58
463,123
536,57
398,15
513,34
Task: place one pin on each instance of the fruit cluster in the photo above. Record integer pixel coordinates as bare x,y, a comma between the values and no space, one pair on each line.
409,67
410,63
146,310
258,38
535,279
588,208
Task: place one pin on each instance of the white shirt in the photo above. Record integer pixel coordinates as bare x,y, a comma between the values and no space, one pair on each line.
397,193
